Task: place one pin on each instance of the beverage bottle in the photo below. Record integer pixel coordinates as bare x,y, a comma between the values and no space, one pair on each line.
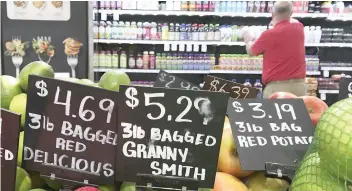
247,83
206,30
177,31
223,5
211,6
189,31
159,30
306,34
205,6
198,5
153,31
132,61
151,60
101,30
96,29
184,5
244,6
259,86
192,6
123,60
168,61
114,60
134,31
174,61
108,59
145,61
165,32
217,33
317,35
121,30
210,33
177,6
171,31
157,61
229,7
262,6
311,34
185,61
163,60
195,34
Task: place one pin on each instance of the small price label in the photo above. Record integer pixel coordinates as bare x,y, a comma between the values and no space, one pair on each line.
166,80
237,91
74,127
275,131
173,131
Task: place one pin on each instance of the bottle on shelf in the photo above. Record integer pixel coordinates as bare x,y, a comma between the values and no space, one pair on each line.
123,60
102,59
259,86
139,62
158,61
151,60
145,63
247,83
114,59
131,61
108,59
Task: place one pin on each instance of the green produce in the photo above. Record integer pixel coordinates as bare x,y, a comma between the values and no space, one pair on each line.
107,188
128,186
20,149
18,105
37,181
258,181
54,184
73,80
10,87
112,80
88,82
35,68
333,137
37,189
23,181
312,176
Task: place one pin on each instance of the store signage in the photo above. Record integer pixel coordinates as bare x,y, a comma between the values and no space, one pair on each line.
9,133
270,131
345,88
70,131
166,80
170,133
236,90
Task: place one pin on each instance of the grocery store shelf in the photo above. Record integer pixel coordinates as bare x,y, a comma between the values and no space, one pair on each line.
235,72
313,73
203,13
328,91
217,43
337,68
193,71
154,71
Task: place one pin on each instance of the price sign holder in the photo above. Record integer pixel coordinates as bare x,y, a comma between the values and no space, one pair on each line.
236,90
161,183
271,135
9,134
147,116
166,80
345,90
280,171
70,124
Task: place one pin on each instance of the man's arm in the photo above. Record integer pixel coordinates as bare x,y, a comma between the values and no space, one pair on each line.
257,47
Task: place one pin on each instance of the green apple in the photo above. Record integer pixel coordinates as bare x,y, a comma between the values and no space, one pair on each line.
107,188
20,149
23,180
54,184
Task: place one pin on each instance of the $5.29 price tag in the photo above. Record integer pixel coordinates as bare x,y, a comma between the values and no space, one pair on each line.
170,132
276,131
70,131
237,91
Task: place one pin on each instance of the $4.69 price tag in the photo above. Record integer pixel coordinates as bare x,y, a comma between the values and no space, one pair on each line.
237,91
70,131
169,132
276,131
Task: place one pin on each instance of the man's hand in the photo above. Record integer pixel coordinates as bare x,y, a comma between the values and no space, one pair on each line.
247,37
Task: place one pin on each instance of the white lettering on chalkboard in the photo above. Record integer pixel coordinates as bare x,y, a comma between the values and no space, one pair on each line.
203,105
6,154
247,127
87,133
285,141
177,170
179,118
131,149
251,141
39,156
134,131
67,102
38,121
167,136
285,127
68,145
257,109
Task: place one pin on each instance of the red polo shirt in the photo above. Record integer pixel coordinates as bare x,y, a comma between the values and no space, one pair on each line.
284,52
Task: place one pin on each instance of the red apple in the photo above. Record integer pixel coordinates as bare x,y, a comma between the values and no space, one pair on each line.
315,107
282,95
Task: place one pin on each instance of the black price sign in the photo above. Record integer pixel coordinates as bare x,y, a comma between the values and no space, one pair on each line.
237,91
345,88
70,131
9,133
274,131
166,80
169,132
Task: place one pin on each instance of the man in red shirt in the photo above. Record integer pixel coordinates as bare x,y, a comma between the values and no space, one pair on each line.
284,66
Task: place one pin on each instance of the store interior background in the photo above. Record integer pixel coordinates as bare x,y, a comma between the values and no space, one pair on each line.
80,26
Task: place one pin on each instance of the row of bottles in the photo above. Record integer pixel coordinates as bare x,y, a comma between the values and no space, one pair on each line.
170,31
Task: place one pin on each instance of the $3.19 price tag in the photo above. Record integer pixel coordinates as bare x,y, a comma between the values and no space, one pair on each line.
169,132
166,80
276,131
237,91
70,131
